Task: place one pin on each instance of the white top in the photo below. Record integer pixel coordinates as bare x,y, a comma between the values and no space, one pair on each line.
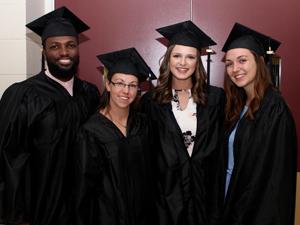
68,85
186,119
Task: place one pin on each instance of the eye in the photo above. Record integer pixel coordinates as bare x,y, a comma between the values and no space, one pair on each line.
120,84
132,86
191,57
176,56
53,47
72,45
242,61
228,64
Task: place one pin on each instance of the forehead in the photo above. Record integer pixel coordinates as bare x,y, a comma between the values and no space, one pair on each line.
125,77
61,39
184,49
237,52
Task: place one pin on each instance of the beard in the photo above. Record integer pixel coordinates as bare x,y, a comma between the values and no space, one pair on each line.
60,72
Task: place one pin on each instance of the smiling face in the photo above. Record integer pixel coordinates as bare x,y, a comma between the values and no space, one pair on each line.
241,68
123,90
183,61
62,56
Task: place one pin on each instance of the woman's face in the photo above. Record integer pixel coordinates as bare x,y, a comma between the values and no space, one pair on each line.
183,61
241,67
123,90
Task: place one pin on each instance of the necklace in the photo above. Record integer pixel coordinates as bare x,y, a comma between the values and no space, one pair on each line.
182,90
115,121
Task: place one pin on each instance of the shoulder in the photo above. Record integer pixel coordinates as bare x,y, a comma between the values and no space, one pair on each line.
215,95
87,86
147,97
138,116
146,102
274,106
274,100
25,91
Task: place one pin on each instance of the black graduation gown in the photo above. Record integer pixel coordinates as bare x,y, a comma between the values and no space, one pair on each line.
113,184
38,121
187,186
263,183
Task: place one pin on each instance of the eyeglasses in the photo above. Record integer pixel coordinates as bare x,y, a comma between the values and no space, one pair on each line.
121,85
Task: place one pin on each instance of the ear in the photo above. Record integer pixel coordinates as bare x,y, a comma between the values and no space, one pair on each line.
107,86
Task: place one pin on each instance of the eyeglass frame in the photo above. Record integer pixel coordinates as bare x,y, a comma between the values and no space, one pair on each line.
121,85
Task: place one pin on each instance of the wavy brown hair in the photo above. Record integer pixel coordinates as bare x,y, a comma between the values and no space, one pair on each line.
163,91
236,96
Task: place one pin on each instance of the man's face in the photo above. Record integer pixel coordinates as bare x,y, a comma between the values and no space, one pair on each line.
62,56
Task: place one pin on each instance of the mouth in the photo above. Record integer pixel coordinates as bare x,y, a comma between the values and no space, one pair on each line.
182,70
65,62
124,97
238,76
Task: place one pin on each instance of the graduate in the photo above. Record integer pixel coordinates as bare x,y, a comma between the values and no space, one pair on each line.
187,119
261,146
39,118
113,163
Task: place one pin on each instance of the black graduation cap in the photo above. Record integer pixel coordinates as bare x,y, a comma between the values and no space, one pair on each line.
127,61
60,22
244,37
186,33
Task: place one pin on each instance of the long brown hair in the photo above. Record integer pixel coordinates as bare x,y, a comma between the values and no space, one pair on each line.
163,90
236,96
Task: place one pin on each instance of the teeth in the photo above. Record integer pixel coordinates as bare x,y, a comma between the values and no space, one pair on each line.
64,61
238,76
182,70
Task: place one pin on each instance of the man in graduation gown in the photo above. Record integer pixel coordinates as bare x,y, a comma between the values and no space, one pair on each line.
38,120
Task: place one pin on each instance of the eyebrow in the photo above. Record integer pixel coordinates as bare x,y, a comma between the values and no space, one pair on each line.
237,57
120,79
190,54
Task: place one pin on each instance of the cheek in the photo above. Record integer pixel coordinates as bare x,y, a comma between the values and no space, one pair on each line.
172,62
229,72
133,94
192,63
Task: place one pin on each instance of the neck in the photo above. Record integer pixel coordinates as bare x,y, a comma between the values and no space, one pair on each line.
182,84
117,116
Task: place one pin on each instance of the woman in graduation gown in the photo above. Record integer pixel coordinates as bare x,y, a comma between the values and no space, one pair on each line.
187,119
261,137
113,183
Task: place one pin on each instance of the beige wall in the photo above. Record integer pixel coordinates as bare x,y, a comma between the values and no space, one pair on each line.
20,51
12,42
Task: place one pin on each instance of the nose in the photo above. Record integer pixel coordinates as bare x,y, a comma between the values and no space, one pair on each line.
235,67
182,61
126,89
63,51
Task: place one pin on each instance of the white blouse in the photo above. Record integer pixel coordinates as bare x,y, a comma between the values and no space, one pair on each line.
186,119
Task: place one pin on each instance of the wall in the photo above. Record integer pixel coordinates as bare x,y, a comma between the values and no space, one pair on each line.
12,42
20,49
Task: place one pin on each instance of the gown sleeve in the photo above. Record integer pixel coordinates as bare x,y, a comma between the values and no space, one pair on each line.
282,146
87,178
19,109
214,184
